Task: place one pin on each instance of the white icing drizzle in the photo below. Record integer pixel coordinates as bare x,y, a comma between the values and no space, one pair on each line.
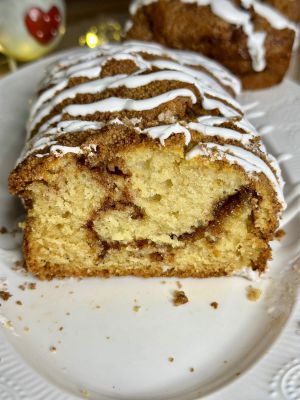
116,104
134,81
247,273
163,132
129,51
232,13
208,93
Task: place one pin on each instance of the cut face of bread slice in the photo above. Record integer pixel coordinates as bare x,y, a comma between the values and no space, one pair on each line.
140,165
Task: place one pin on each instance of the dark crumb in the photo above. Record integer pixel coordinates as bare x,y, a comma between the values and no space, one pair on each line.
179,285
61,328
179,298
97,306
225,361
214,305
238,374
4,295
163,282
26,329
56,286
171,359
253,294
71,292
31,285
192,369
3,230
67,313
19,263
107,337
279,234
27,285
52,349
136,308
19,303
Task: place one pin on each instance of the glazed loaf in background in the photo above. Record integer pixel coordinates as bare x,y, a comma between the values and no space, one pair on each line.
251,38
140,162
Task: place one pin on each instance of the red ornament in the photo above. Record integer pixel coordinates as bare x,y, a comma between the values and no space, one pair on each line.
43,26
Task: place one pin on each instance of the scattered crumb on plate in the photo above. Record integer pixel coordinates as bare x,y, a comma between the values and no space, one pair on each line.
60,328
214,305
52,349
179,298
5,295
163,282
3,229
19,303
27,285
253,294
279,234
171,359
191,369
136,308
26,329
178,284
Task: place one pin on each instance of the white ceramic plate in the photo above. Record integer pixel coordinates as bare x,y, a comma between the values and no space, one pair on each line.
105,348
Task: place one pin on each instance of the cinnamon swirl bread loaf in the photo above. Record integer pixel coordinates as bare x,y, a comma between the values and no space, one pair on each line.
254,39
140,162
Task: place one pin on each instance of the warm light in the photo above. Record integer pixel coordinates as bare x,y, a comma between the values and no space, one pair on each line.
102,33
92,40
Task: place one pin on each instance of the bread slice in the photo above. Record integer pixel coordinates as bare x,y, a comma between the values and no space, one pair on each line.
140,162
254,39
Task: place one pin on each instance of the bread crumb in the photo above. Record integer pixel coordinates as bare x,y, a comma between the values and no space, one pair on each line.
31,285
171,359
279,234
67,313
26,329
60,328
52,349
27,285
5,295
163,282
97,306
214,305
3,230
253,294
192,369
178,284
19,303
136,308
179,298
20,318
107,337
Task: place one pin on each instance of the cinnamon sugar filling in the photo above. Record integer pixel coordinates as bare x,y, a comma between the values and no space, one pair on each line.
210,232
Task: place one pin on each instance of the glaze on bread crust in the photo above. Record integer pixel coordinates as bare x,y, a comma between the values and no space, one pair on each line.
252,39
140,162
